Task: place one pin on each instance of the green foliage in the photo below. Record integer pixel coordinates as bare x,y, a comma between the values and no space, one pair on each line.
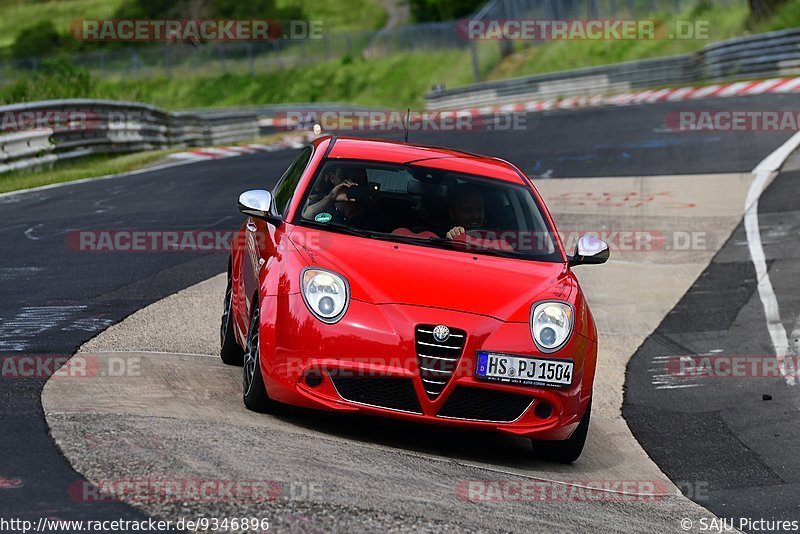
760,10
436,10
702,8
395,81
38,40
57,78
787,16
234,9
78,169
723,22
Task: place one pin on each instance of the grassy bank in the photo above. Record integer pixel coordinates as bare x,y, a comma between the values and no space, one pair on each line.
335,15
96,166
18,14
88,167
396,81
722,22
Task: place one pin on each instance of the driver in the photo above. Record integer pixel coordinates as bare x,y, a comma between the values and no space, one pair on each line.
332,198
332,191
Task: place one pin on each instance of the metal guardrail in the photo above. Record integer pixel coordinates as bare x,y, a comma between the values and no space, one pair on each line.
757,56
767,54
606,79
20,150
45,132
580,9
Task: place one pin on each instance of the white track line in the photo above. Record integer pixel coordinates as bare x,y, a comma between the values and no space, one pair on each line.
762,174
794,343
167,165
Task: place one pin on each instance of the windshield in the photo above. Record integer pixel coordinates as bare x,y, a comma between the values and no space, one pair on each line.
429,207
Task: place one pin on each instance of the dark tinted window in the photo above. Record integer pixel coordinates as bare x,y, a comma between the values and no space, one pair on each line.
434,207
288,183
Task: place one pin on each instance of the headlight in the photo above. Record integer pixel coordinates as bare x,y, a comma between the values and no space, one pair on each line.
326,294
551,325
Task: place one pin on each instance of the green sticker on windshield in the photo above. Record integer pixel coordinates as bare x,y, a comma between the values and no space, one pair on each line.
323,217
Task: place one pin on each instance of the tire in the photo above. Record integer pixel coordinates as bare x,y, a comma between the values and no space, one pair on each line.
254,393
230,352
568,450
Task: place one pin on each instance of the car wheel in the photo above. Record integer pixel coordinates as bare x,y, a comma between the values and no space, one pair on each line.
254,393
230,351
568,450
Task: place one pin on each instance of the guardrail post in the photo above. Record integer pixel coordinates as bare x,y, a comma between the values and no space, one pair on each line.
221,53
594,11
250,62
506,47
473,52
165,59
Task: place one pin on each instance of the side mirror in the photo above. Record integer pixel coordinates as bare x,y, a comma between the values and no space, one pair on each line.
589,250
258,203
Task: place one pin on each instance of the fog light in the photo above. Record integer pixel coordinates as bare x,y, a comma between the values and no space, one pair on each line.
548,336
542,410
313,378
326,305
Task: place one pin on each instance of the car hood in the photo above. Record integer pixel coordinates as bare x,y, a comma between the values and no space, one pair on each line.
385,272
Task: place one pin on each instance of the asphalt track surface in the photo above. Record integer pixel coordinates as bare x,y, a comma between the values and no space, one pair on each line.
54,299
720,431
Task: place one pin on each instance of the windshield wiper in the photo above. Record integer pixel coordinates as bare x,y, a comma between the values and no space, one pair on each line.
450,243
429,241
335,227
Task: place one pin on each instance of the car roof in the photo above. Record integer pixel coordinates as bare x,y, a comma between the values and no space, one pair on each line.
440,158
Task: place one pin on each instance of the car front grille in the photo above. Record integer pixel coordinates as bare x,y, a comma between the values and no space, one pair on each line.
479,404
383,392
437,360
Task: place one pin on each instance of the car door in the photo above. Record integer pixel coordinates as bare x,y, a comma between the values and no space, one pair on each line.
262,239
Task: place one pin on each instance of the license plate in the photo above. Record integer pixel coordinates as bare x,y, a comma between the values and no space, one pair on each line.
525,371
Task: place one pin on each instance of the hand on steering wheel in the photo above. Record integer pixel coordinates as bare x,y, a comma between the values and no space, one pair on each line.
456,232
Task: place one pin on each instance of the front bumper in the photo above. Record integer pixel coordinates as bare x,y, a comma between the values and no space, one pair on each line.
368,363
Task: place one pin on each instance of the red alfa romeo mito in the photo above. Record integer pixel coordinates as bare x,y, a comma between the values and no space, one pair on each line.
412,282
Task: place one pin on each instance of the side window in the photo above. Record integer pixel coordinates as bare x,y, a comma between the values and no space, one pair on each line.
288,183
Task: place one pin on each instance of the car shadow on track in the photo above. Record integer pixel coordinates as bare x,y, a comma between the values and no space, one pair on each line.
447,442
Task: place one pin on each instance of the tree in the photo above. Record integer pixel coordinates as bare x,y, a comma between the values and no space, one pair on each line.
436,10
37,40
761,9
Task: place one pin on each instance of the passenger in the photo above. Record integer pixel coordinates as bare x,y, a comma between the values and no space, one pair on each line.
466,210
